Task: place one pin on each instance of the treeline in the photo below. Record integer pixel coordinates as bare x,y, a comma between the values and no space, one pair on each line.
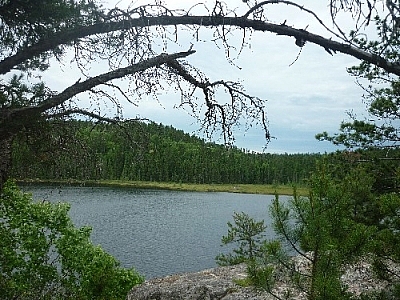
147,152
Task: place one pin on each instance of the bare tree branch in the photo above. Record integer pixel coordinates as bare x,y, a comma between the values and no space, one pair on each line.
226,115
83,112
329,45
290,3
79,87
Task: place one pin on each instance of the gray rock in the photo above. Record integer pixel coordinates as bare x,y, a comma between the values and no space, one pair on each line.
217,283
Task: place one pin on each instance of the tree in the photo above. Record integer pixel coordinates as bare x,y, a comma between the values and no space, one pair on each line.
253,250
372,143
343,220
43,256
248,234
35,33
32,34
379,128
327,231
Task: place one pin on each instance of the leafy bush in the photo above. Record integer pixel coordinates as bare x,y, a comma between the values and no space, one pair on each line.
43,256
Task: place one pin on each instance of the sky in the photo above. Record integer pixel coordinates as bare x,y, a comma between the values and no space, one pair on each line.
306,94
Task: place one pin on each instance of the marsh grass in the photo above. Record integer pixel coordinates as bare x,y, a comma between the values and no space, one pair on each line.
265,189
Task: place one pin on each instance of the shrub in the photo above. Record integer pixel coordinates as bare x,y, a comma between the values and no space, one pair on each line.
43,256
248,234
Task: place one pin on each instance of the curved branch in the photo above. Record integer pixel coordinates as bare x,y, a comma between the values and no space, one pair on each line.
207,21
13,116
96,116
290,3
80,87
84,113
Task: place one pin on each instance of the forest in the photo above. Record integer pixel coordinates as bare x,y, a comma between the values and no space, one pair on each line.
141,151
125,54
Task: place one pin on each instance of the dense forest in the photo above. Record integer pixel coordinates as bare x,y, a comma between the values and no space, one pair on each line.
351,215
148,152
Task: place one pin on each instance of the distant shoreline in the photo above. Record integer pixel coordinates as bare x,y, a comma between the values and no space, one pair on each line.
266,189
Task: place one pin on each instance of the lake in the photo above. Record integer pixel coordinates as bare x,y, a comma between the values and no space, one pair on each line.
156,231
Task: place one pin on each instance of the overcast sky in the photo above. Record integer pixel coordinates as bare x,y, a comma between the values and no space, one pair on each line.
307,97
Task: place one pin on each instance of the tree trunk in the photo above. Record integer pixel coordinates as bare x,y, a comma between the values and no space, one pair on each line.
5,158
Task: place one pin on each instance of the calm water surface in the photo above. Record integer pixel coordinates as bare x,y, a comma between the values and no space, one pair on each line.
157,232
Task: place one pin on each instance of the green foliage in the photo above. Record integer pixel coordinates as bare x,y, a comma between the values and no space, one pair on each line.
370,175
382,91
43,256
382,97
350,214
252,248
248,235
330,228
17,94
260,275
262,271
24,23
146,152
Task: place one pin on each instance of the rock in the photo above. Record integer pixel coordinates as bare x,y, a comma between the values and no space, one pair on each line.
217,283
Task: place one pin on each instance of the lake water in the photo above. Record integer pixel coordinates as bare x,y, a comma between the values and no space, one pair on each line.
157,232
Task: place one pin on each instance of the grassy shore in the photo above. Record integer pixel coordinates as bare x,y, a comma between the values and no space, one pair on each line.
265,189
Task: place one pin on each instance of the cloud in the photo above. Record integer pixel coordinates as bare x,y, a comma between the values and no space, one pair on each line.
306,89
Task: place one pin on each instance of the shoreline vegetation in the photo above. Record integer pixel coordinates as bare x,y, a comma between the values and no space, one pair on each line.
265,189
